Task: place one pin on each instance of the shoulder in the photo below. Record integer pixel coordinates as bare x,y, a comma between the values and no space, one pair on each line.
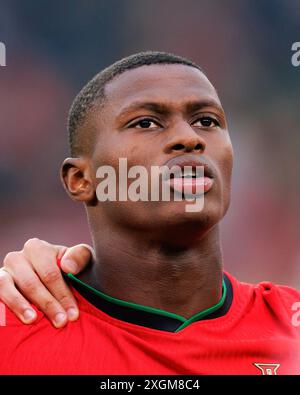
283,299
280,301
277,293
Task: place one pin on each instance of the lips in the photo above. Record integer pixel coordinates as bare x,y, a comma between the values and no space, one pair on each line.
189,175
194,186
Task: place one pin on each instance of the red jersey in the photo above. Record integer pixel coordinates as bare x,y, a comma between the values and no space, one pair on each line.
257,332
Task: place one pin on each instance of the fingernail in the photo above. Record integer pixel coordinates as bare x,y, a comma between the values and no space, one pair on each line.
72,314
29,315
59,319
70,266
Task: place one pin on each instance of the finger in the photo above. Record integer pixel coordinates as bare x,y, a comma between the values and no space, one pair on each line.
76,258
43,258
14,300
34,246
30,285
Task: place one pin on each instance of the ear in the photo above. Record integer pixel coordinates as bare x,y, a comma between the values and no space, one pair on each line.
76,176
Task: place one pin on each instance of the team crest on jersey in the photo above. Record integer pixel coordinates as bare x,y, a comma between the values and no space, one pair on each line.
268,369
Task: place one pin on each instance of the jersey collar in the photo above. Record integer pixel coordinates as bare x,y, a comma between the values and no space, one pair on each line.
148,316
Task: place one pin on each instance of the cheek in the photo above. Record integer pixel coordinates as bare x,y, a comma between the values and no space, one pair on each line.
112,147
223,154
227,162
110,150
225,168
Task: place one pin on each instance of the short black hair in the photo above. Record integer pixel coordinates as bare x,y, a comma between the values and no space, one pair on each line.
94,90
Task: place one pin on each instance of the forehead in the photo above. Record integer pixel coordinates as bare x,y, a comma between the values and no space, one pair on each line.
172,84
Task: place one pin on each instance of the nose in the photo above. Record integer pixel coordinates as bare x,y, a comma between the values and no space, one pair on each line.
185,139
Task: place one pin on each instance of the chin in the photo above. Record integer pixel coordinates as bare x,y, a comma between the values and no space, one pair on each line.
209,213
173,221
167,219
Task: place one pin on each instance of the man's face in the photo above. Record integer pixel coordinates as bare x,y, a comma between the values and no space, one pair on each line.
154,114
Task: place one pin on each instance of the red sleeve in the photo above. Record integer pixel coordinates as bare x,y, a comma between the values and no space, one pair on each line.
291,300
284,301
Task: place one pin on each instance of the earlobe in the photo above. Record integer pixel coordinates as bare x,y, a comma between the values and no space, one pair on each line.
77,181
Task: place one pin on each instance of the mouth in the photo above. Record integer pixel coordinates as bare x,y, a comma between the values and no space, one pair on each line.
189,176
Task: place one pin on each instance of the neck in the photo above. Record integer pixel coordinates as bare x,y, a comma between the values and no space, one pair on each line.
133,268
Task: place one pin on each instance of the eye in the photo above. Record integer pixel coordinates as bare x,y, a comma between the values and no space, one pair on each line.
206,122
145,123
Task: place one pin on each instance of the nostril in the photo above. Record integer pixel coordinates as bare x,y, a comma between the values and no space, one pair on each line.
198,147
178,147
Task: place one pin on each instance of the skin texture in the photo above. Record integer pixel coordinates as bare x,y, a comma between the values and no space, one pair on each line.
144,251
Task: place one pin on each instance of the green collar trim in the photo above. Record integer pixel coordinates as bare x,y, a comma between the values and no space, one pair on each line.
185,321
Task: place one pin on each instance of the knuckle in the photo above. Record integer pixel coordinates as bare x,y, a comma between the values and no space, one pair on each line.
15,302
32,243
4,278
10,258
34,246
65,300
48,306
30,285
50,275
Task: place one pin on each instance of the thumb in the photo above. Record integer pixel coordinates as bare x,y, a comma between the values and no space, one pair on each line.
76,258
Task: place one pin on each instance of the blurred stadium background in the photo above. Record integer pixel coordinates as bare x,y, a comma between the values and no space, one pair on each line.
54,47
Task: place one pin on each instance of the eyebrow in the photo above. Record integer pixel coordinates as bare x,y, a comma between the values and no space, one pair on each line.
163,109
198,105
150,106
